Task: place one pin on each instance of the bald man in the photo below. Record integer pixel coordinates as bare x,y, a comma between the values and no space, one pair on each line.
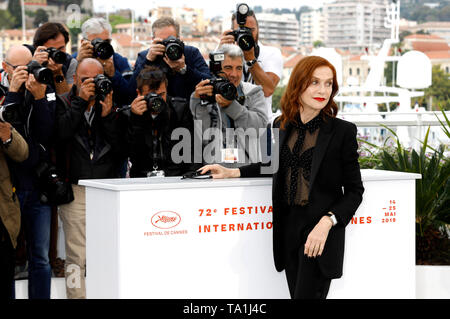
88,129
34,105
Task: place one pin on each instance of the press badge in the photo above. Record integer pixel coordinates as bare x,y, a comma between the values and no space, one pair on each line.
230,155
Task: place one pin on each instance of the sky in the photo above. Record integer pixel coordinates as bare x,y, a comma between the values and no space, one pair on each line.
211,7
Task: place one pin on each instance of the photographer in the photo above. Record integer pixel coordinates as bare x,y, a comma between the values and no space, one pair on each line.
12,148
87,127
30,106
154,116
263,64
183,73
244,110
50,41
96,43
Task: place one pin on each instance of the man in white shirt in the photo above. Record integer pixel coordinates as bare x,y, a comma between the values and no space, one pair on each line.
263,64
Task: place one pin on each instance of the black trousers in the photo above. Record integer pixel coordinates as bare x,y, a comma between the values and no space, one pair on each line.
303,274
7,264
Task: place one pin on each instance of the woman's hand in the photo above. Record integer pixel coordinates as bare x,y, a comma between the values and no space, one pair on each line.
218,171
315,243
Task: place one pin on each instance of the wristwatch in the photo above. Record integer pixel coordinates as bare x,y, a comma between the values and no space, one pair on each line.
183,70
59,79
251,63
7,142
333,218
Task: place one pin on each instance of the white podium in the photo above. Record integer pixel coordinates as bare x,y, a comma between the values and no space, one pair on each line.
200,239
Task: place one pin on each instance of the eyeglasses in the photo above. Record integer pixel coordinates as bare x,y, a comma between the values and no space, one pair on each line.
13,66
157,75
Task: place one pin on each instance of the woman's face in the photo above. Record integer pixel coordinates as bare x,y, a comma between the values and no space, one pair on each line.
317,94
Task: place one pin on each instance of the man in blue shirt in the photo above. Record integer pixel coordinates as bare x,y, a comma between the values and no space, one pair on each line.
183,74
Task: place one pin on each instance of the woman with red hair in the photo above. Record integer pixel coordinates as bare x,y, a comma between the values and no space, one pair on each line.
317,188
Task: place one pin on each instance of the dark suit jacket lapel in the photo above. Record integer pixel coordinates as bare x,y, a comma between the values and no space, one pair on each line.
325,134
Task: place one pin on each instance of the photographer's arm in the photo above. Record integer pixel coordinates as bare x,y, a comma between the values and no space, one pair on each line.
268,81
68,118
18,149
253,114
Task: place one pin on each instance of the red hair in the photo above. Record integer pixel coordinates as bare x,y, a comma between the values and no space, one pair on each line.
298,82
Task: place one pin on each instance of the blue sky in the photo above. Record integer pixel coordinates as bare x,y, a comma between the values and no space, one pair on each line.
211,7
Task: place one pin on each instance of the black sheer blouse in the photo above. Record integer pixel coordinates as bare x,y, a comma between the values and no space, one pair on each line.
296,159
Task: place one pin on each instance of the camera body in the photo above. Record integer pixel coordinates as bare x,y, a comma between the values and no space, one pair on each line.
174,48
41,74
103,86
155,103
220,84
56,55
243,35
102,49
54,190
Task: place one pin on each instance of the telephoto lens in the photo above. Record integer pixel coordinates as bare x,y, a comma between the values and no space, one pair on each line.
58,56
155,103
41,74
102,49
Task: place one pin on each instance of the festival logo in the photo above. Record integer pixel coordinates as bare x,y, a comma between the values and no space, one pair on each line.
166,219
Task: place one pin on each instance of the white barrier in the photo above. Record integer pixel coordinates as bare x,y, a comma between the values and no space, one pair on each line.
172,238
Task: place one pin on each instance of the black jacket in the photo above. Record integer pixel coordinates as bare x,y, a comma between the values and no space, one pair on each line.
334,166
141,137
35,122
78,141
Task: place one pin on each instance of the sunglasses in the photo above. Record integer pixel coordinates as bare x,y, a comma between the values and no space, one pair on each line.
157,75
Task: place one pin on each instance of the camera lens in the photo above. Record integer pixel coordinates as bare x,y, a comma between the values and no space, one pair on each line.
58,56
103,85
246,41
174,51
227,90
41,74
155,103
102,49
7,113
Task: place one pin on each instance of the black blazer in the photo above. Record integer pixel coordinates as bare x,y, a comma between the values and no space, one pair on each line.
335,186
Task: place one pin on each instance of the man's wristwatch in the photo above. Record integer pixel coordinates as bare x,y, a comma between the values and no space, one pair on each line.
333,218
251,63
7,142
183,70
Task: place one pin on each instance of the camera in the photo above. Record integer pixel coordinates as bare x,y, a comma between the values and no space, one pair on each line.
174,48
103,86
220,84
58,56
243,35
155,103
102,49
42,75
8,113
54,190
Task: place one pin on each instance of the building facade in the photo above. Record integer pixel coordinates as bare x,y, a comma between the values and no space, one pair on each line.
312,27
280,29
354,25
